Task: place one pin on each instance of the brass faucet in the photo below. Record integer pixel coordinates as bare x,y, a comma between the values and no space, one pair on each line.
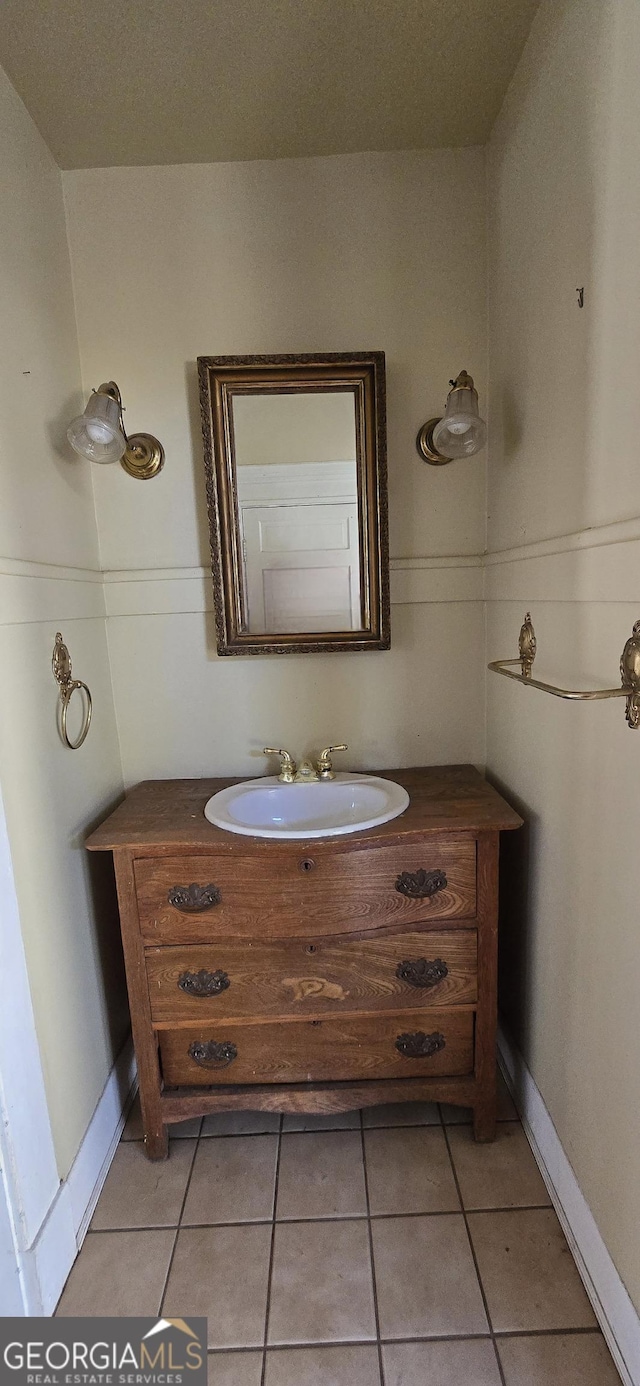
288,766
306,772
325,768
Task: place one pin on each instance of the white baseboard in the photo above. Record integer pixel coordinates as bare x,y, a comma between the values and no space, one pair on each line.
611,1304
49,1260
91,1165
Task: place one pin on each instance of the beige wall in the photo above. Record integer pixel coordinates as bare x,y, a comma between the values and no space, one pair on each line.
49,580
361,252
274,429
564,423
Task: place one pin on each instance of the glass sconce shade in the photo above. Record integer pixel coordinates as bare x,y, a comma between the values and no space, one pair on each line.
97,433
461,432
100,436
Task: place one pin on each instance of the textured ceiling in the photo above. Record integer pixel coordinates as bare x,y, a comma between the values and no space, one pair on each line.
159,81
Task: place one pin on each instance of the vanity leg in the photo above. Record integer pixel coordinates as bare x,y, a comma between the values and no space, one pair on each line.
156,1136
156,1141
484,1121
484,1109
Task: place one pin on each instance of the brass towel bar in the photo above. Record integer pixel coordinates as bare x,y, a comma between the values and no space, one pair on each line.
629,673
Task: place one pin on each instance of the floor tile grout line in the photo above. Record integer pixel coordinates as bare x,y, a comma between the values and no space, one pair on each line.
263,1373
475,1261
314,1130
233,1349
237,1135
374,1286
549,1332
496,1336
341,1217
319,1343
196,1143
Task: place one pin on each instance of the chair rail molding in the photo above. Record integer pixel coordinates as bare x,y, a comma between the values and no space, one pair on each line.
33,592
599,564
173,591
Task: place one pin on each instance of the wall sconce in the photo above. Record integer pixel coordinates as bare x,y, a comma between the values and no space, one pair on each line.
99,434
460,432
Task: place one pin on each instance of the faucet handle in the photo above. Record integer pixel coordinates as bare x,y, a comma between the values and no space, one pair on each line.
325,768
288,765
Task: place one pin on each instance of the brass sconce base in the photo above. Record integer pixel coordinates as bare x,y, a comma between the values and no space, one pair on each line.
424,444
144,456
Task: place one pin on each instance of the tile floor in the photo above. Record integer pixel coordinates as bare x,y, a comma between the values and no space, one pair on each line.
382,1249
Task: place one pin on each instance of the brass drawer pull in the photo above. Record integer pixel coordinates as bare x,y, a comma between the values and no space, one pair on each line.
421,973
193,899
421,885
416,1045
203,983
211,1054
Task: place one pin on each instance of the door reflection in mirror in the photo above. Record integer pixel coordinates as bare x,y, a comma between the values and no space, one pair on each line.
297,490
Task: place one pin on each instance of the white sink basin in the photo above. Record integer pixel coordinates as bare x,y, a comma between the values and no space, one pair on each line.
324,808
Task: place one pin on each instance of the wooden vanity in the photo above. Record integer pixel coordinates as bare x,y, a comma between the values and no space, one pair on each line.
312,976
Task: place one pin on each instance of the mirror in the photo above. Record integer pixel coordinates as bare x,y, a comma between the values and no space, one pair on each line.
295,458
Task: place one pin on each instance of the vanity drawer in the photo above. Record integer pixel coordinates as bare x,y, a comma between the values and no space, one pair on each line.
403,1044
304,891
298,977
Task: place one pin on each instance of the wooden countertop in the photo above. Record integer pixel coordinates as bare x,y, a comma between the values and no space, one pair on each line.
168,815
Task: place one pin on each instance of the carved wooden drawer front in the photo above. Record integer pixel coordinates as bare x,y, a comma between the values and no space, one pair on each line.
403,1044
309,890
298,977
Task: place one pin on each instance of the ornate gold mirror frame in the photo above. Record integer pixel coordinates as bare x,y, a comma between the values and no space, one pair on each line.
363,373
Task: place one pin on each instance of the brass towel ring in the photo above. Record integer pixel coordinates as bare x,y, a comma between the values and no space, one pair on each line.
61,665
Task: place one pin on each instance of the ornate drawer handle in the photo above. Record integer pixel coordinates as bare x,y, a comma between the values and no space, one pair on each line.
417,1045
203,983
211,1054
421,973
194,898
421,885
